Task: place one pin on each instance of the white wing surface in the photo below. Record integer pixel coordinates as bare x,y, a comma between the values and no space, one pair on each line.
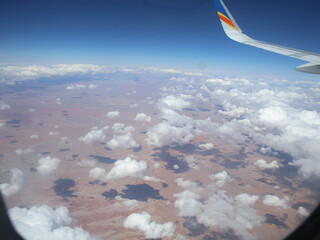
234,32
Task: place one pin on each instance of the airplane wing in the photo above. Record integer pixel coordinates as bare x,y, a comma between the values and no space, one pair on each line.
234,32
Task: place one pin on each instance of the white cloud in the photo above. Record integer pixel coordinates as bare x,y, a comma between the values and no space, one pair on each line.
303,212
141,222
261,163
86,163
21,152
45,222
34,136
15,184
206,146
246,199
221,210
173,103
94,135
164,134
98,173
152,179
53,133
4,106
221,178
122,141
75,86
127,168
272,200
191,161
48,165
142,117
121,129
92,86
113,114
130,203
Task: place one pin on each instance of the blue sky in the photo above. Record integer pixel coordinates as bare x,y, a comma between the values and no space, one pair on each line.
163,33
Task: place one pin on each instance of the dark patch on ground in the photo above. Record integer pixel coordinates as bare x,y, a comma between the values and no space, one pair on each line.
32,169
226,235
279,223
102,159
137,149
266,181
15,126
194,227
94,182
1,155
75,155
41,124
64,111
204,110
65,114
64,149
103,184
15,121
9,136
154,113
186,148
141,192
13,141
306,205
164,185
111,194
165,156
210,152
145,132
189,109
76,97
62,186
45,153
227,163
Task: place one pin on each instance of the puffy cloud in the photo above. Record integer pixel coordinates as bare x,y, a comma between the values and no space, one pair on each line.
246,199
142,117
75,86
164,134
206,146
122,168
307,167
15,184
21,152
272,200
191,161
26,72
122,141
261,163
121,129
152,179
173,103
48,165
113,114
53,133
127,168
130,203
94,135
34,136
221,178
86,163
45,222
4,106
303,212
141,222
98,173
92,86
221,210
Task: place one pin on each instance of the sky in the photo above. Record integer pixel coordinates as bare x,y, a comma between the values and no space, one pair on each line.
166,33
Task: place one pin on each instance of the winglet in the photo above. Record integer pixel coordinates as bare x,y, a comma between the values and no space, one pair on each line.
226,18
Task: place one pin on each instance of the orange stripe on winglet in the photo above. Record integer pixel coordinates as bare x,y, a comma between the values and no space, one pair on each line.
226,20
